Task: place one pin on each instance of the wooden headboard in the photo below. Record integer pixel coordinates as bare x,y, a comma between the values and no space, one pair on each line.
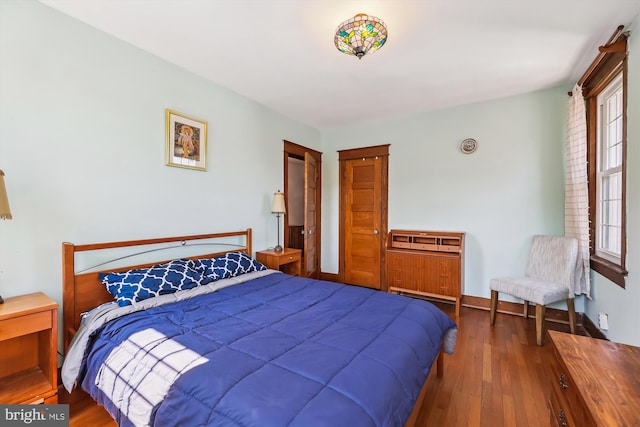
83,291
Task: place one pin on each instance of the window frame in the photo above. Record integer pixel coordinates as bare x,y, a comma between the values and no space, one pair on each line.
606,171
611,64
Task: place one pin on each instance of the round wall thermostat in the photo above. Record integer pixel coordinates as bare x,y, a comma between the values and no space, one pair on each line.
468,146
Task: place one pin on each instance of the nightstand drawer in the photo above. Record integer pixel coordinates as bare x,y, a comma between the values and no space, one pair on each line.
23,325
291,257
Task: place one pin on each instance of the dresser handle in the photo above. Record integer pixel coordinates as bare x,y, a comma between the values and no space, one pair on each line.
563,381
563,418
290,257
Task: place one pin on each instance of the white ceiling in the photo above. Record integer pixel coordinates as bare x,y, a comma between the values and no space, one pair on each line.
439,53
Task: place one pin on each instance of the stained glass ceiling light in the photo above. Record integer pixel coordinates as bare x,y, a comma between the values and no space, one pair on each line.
361,35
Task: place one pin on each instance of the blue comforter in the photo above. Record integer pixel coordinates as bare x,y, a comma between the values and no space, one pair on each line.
274,351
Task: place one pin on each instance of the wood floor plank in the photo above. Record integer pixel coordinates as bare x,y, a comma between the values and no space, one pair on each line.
496,377
508,411
474,413
486,362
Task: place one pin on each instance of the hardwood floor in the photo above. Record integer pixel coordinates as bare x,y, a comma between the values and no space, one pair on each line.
496,377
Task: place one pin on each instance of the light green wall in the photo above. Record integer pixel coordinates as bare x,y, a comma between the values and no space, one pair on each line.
623,305
82,143
511,188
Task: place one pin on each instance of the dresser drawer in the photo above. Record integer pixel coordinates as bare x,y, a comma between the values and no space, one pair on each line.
558,409
23,325
568,404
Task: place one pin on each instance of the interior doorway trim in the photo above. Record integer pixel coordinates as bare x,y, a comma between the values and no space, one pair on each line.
298,151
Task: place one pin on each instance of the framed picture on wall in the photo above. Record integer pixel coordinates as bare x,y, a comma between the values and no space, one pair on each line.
186,141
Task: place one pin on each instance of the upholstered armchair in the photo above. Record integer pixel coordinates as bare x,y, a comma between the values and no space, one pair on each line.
549,277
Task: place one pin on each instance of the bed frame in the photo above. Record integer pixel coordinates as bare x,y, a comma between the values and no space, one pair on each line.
83,291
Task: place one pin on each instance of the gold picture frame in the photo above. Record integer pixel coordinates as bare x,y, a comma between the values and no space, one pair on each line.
186,145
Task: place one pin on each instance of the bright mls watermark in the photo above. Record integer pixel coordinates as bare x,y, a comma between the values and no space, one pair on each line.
34,415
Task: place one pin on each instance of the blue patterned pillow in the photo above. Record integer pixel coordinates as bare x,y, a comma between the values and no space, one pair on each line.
228,265
136,285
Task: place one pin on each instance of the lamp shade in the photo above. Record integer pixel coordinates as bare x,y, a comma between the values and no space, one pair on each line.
361,35
278,203
5,212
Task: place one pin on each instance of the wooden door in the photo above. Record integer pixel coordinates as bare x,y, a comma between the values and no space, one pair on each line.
363,209
312,204
310,260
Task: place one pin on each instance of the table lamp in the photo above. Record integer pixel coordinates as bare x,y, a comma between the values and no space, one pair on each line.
278,208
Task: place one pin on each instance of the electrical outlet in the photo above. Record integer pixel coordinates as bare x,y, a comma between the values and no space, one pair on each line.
603,320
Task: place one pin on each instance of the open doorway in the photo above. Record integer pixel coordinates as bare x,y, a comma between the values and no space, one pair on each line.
302,178
295,203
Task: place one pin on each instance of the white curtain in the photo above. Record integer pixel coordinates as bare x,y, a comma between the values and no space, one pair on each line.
576,204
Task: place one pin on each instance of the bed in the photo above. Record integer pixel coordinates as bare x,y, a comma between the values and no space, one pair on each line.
244,345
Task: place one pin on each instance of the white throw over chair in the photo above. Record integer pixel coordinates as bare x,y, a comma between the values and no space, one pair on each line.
548,278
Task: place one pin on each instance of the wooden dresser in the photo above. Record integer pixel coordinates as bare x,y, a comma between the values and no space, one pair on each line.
427,263
594,382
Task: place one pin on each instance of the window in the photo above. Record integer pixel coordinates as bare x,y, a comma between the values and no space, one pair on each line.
605,92
609,172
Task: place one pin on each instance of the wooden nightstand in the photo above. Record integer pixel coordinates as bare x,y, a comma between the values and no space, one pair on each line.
28,350
287,261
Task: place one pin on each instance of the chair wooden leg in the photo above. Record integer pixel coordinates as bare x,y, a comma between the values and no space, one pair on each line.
494,306
526,309
540,309
571,308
